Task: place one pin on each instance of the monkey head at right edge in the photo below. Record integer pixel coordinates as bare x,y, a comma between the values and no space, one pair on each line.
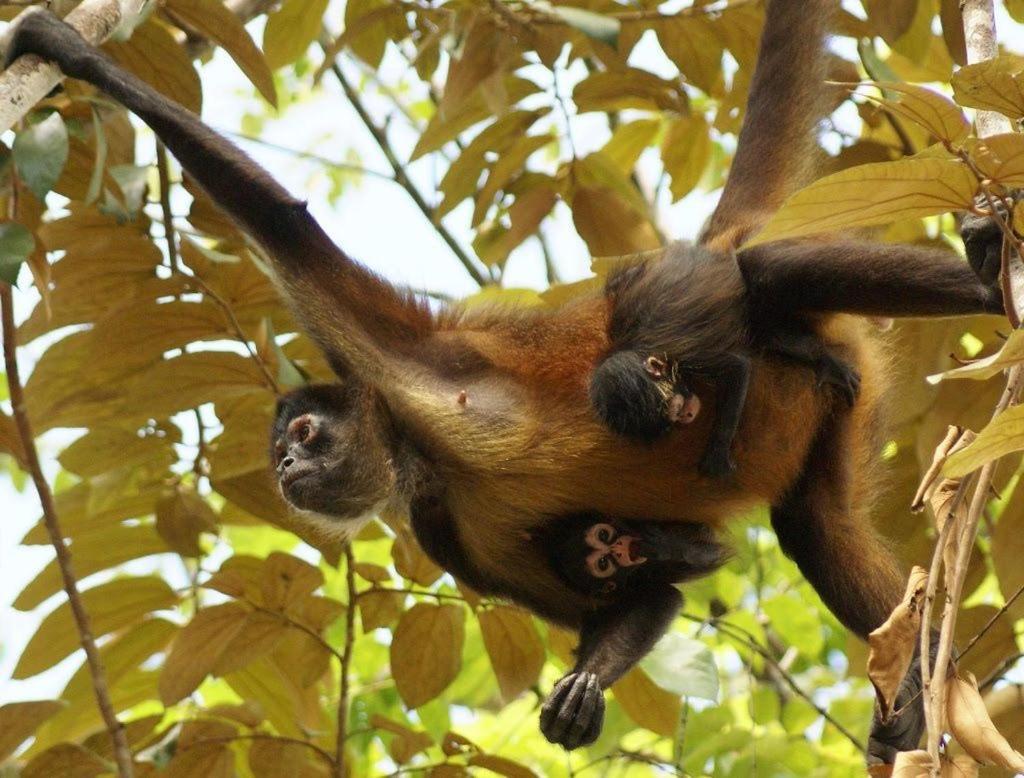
479,424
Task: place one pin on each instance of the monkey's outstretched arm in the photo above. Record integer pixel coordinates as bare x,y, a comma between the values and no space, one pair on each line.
873,279
611,642
335,298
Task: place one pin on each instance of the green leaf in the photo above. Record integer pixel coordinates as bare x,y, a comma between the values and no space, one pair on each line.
16,244
290,30
40,152
596,26
683,666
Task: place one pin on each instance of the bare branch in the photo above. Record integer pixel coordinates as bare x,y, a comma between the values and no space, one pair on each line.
122,753
346,660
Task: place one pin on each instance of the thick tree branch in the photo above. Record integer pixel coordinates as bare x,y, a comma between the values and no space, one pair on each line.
30,79
122,753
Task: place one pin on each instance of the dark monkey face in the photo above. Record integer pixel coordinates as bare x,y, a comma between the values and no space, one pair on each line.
329,452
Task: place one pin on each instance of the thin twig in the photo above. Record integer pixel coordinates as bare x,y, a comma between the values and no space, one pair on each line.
122,753
346,661
401,176
995,617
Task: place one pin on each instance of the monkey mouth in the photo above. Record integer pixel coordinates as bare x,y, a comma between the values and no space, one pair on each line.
632,554
288,479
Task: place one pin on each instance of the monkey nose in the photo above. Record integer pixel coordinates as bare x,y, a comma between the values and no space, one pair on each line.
285,464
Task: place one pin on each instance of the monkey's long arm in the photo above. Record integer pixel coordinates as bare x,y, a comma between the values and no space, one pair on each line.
873,279
333,296
611,642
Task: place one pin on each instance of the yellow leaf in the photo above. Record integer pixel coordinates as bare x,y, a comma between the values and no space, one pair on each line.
106,548
629,141
411,562
892,644
111,606
406,742
930,110
258,636
873,194
113,448
272,758
995,85
483,54
973,729
220,25
648,705
685,153
1010,354
609,226
1000,157
66,760
616,90
157,58
286,580
263,683
10,441
516,651
426,652
379,608
501,766
369,24
511,162
445,127
690,42
372,573
82,513
180,518
19,720
1005,433
206,760
891,18
525,214
197,648
121,657
291,29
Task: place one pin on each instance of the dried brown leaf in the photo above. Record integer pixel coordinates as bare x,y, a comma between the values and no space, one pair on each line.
970,724
892,644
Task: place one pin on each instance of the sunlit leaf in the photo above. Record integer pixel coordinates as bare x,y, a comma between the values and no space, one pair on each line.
995,85
291,29
157,58
873,194
1005,433
683,666
197,648
515,648
426,652
19,720
40,151
647,704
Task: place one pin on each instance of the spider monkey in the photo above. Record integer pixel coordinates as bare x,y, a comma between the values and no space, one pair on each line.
479,422
681,318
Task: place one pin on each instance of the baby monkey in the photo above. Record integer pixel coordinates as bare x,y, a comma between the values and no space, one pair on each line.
608,557
684,319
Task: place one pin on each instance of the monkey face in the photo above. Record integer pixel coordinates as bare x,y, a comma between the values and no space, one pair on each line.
328,454
612,550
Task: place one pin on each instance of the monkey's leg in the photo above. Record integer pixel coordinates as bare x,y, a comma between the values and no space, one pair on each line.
871,279
823,529
731,394
809,349
611,642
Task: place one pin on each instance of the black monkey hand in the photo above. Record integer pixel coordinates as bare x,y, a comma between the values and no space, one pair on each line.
573,713
840,376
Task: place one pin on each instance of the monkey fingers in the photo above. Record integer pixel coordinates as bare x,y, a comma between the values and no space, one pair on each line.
573,714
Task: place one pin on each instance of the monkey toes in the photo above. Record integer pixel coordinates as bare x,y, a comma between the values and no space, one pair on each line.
573,713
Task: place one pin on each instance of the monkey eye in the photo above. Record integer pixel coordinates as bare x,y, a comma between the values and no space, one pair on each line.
604,533
603,567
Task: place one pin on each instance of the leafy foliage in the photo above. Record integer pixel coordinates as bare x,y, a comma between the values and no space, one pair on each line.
163,346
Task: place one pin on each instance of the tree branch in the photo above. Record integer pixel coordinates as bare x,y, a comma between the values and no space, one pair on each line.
346,661
30,79
122,753
401,176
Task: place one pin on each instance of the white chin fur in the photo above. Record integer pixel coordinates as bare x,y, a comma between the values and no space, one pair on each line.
333,528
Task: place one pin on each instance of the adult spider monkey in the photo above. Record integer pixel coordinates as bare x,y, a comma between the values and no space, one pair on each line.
480,423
